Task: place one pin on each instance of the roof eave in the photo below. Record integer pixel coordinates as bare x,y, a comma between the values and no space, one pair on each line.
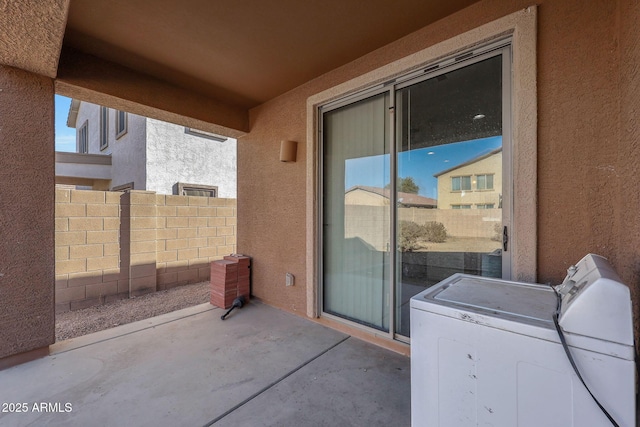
72,117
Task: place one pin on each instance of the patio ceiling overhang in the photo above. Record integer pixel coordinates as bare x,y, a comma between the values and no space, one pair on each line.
201,63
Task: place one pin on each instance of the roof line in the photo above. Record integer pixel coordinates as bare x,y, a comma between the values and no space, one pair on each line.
370,189
72,117
468,162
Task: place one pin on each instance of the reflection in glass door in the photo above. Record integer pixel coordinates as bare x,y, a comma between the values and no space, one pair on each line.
449,179
415,187
356,217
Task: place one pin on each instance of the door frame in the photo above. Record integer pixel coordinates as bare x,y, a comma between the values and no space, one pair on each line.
500,48
521,28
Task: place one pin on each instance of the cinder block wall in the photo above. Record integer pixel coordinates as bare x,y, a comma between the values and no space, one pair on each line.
138,241
112,245
192,232
87,225
366,222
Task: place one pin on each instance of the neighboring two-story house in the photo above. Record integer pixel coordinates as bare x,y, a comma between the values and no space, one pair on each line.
152,155
475,184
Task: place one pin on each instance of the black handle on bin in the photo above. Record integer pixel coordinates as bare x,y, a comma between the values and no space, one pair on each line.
238,302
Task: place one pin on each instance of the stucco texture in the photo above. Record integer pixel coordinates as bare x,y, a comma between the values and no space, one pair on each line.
578,78
272,204
94,80
628,154
129,154
175,156
26,212
31,33
587,145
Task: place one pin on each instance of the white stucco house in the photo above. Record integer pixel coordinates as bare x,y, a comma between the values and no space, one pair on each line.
117,150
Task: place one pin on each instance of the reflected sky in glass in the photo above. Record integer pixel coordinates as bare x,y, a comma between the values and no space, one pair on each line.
421,164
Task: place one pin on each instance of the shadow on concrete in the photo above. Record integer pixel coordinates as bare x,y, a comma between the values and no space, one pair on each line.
260,367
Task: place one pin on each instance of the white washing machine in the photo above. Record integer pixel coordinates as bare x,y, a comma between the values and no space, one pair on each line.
486,352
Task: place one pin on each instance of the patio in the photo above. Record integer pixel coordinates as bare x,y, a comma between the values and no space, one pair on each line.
260,367
267,75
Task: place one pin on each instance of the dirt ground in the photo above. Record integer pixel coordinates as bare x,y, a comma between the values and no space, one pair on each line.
93,319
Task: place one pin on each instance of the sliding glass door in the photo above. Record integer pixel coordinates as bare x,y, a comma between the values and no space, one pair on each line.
415,187
449,140
356,235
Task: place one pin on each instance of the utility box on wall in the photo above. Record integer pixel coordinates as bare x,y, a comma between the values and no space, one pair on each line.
230,278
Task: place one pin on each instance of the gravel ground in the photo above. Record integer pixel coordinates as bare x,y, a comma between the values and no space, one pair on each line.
93,319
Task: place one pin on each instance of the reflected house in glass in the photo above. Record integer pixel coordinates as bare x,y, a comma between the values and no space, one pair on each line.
376,196
474,184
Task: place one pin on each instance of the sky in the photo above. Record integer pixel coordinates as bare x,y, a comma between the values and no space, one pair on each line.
419,164
65,136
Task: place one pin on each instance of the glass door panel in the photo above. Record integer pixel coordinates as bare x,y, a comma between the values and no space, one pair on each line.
356,212
449,179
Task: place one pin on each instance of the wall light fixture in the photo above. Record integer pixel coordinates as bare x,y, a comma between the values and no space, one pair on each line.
288,151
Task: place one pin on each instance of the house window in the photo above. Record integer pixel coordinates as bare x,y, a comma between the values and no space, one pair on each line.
461,183
83,138
460,206
484,182
485,206
121,123
104,128
196,190
204,134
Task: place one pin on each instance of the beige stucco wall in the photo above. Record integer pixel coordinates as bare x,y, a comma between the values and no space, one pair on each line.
579,135
31,32
271,202
581,169
286,118
26,212
629,149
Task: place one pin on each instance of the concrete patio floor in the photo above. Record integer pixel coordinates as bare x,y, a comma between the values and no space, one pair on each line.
260,367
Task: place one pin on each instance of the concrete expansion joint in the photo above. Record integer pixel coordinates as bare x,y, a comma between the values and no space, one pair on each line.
276,382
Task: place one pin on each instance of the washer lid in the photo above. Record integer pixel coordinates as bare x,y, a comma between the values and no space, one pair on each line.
496,297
